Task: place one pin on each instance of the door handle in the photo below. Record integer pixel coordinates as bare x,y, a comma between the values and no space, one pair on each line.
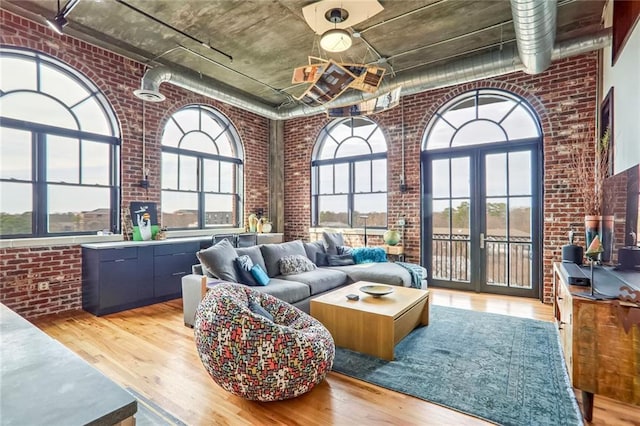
482,240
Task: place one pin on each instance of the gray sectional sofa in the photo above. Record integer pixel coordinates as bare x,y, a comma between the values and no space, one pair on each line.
297,289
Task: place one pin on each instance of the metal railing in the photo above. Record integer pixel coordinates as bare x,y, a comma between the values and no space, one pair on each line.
508,263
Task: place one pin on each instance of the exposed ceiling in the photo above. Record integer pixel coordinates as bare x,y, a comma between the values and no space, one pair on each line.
268,38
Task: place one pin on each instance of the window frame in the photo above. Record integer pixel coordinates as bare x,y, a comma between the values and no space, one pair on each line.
229,130
40,132
350,161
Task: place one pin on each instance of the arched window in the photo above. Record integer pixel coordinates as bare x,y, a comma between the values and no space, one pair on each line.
201,170
481,117
349,175
59,150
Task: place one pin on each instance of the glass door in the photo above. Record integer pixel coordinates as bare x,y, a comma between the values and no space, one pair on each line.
481,209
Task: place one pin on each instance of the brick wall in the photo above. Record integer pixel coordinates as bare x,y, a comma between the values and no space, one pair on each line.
564,98
117,77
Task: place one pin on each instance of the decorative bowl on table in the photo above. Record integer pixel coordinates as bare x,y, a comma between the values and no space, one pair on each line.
376,290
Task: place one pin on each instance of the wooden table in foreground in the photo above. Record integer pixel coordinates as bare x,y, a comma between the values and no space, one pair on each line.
371,325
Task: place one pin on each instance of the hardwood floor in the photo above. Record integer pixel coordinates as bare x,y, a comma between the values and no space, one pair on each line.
150,350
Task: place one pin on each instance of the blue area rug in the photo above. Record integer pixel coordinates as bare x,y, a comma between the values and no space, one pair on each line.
149,414
499,368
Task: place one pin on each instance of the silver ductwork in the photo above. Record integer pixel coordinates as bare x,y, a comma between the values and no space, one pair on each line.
535,29
491,64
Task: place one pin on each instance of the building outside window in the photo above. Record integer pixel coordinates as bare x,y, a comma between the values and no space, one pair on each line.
59,150
349,175
201,170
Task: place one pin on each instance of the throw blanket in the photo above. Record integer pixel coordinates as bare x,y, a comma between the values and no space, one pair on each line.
417,272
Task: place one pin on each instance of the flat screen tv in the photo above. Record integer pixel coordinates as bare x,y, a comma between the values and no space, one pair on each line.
621,196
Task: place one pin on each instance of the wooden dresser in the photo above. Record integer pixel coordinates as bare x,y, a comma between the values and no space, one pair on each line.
602,358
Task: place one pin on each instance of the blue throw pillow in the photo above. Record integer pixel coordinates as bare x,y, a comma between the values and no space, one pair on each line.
256,308
243,269
368,255
260,275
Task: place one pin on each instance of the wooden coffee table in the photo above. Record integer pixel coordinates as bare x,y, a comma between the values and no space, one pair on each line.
371,325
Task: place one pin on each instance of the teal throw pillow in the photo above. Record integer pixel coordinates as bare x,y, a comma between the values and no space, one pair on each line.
368,255
260,275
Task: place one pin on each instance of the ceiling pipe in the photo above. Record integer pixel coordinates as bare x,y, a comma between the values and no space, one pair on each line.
535,29
486,65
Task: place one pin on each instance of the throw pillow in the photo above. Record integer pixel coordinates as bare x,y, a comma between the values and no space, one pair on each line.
260,275
369,255
243,268
272,253
295,264
254,253
344,249
313,248
322,259
219,261
340,259
333,240
256,308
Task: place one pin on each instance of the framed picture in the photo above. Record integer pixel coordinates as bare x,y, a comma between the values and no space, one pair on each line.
606,128
145,220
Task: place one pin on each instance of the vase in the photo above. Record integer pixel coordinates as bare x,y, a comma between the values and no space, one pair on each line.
253,222
591,228
266,228
391,237
606,236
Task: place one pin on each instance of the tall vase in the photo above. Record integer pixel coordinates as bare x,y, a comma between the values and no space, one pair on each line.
591,229
606,236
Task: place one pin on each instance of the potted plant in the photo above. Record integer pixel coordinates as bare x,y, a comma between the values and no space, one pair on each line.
591,165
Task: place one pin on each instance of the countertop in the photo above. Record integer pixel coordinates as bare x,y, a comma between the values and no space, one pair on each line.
44,383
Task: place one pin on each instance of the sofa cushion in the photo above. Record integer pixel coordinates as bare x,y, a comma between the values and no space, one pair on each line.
322,259
385,273
333,240
290,265
313,248
272,253
254,253
219,261
319,280
340,259
287,290
243,269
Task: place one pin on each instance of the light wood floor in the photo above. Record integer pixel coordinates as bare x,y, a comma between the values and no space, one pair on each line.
150,350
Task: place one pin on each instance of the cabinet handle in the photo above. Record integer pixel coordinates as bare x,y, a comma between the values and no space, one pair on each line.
120,260
178,254
559,298
560,325
178,273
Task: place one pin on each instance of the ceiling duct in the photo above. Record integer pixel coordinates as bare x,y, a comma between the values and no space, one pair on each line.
486,65
535,29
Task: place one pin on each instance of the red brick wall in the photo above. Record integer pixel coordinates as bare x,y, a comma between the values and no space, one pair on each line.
564,98
117,77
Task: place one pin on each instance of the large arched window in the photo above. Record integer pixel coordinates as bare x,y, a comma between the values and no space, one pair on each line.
481,117
59,150
349,174
201,170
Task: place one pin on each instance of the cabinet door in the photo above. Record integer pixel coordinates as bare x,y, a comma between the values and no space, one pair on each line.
118,282
171,263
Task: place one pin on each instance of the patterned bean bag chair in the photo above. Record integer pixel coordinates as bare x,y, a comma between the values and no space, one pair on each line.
255,357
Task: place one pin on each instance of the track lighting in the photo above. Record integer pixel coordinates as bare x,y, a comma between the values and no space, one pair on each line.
60,20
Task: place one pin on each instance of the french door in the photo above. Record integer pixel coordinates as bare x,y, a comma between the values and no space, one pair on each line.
482,218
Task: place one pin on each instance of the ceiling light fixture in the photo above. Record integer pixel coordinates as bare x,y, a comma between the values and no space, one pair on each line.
60,20
336,39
